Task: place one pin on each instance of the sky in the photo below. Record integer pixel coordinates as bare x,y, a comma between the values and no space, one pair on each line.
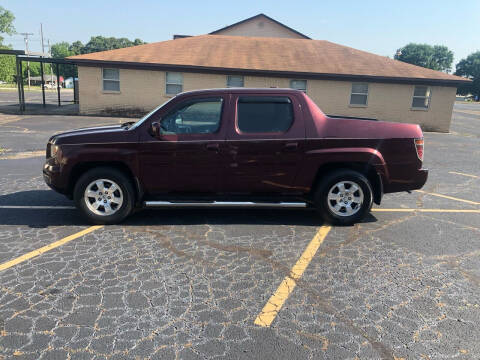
377,26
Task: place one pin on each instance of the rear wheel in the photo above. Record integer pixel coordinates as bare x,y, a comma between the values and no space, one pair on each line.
344,197
104,195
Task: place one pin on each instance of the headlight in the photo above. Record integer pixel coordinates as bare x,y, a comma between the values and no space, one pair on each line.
54,150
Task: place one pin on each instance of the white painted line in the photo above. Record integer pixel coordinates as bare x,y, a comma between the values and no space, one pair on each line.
37,207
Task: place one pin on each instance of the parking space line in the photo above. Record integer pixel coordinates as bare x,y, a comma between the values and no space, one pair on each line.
474,211
463,174
449,197
35,207
276,301
48,247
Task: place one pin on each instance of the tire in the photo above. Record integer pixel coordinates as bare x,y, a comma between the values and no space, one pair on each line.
347,206
114,205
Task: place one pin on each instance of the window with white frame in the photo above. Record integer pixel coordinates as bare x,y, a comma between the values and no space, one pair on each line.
359,95
421,97
234,81
174,83
111,79
299,85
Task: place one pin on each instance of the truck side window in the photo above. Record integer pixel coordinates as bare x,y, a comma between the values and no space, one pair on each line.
264,114
200,116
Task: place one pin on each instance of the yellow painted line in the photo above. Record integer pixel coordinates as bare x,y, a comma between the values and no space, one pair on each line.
276,301
46,248
449,197
463,174
429,210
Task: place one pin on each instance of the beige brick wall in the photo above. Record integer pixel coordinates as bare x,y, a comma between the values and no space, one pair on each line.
260,27
143,90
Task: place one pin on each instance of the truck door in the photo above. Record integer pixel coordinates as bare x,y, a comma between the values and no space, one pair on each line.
187,156
265,144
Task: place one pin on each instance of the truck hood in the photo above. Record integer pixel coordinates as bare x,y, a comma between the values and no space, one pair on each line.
97,134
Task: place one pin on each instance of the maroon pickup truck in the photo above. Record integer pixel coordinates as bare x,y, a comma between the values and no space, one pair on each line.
234,148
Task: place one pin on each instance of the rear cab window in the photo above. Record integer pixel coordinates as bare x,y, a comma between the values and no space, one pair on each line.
266,116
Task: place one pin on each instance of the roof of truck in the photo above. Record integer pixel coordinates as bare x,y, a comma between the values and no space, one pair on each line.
241,90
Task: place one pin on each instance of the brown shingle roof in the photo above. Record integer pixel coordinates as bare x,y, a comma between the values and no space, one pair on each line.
276,56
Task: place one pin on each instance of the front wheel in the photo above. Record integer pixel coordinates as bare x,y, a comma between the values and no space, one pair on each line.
344,197
104,195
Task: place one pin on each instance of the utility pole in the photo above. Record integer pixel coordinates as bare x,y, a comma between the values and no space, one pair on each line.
41,35
25,37
50,54
41,67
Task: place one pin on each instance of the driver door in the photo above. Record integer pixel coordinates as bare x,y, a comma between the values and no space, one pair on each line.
187,156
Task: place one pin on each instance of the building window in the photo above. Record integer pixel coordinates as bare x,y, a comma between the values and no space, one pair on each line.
234,81
299,85
421,97
359,95
264,114
174,83
111,80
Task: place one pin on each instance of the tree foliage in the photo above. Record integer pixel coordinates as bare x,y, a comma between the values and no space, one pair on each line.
437,57
470,68
100,43
6,23
97,43
61,50
7,68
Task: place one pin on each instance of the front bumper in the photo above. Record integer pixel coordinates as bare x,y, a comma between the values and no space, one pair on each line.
52,176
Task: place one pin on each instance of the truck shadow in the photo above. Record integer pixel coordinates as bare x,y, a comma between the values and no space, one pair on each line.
55,214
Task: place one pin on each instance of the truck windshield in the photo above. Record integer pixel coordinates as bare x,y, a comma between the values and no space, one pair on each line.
139,122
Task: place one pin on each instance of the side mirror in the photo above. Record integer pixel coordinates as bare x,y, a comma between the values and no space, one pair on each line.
156,129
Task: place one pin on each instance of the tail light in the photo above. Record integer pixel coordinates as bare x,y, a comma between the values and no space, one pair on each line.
419,147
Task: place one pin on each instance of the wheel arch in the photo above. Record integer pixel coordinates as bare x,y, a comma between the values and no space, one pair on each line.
368,170
83,167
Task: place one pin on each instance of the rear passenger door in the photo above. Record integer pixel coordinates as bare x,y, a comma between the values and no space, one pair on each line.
264,144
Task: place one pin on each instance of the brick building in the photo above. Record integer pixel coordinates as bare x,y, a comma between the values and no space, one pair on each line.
261,52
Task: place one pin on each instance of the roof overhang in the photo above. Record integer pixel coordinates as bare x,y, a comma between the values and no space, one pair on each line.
11,52
271,73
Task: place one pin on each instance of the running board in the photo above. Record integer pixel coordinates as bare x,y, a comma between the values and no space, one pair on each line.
224,204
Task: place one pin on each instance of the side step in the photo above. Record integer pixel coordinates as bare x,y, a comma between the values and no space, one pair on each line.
225,204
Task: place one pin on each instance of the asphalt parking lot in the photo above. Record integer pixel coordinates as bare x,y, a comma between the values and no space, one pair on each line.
10,96
241,284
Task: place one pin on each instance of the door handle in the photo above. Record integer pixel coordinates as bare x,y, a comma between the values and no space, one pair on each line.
213,147
290,147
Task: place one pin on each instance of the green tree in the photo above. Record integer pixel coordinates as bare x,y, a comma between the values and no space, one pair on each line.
470,68
97,43
7,68
101,43
61,50
6,23
7,62
76,48
437,57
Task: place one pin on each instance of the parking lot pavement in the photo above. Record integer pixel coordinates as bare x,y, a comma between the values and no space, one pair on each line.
10,96
190,284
